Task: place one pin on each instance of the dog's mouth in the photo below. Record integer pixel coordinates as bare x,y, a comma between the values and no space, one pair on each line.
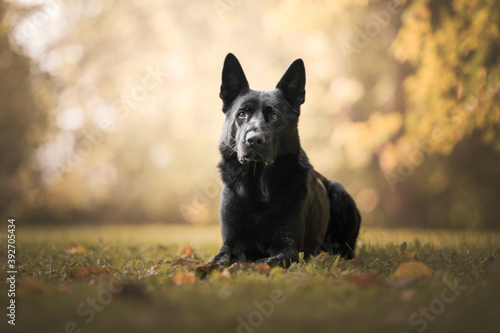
251,155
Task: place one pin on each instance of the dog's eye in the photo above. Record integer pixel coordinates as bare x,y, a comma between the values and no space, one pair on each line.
274,116
242,115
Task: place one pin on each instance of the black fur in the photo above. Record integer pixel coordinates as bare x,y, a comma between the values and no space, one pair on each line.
273,204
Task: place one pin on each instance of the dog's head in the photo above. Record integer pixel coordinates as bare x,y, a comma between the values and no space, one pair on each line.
260,124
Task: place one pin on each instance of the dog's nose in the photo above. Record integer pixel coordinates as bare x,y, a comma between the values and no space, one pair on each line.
256,140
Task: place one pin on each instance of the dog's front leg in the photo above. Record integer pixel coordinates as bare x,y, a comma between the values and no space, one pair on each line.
227,256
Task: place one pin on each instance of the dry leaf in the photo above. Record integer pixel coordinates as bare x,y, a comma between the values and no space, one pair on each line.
357,261
204,269
407,294
29,285
191,263
408,255
181,278
154,265
364,279
63,288
413,269
86,273
185,250
262,268
322,256
226,273
75,250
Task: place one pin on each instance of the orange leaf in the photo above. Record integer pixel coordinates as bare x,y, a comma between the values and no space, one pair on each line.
358,261
408,255
181,278
226,273
185,250
364,279
30,285
191,263
63,288
262,268
413,269
322,256
86,273
75,250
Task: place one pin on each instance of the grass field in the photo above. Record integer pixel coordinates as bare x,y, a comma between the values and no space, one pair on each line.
127,279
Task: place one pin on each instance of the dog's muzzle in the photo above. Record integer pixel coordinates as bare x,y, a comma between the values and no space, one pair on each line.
255,148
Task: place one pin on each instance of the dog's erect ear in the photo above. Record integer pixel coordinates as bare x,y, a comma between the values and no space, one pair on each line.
234,81
293,83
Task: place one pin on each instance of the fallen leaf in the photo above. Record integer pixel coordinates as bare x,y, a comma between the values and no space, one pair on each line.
407,294
63,288
364,279
237,266
85,273
110,251
29,285
357,261
408,255
154,265
181,278
185,250
204,269
262,268
75,250
322,256
413,269
191,263
226,273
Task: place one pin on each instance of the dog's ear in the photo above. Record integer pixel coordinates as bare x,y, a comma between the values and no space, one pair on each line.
234,81
293,83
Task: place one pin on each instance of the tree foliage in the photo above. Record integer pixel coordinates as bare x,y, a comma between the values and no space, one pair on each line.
110,110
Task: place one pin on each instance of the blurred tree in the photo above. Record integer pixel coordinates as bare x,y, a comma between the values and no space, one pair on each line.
452,96
22,122
125,116
454,47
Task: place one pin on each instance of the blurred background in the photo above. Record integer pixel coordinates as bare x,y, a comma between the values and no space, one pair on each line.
109,111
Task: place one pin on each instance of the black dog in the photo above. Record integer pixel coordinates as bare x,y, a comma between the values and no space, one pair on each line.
273,204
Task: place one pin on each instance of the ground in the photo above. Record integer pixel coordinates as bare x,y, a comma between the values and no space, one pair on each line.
145,279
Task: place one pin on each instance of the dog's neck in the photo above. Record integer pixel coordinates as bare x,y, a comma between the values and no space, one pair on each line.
259,181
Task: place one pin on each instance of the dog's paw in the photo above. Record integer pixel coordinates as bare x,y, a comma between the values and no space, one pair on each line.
222,259
271,261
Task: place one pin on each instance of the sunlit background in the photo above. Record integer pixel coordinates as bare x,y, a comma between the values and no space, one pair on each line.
109,110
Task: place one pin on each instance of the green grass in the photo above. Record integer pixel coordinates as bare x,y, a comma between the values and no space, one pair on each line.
324,294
